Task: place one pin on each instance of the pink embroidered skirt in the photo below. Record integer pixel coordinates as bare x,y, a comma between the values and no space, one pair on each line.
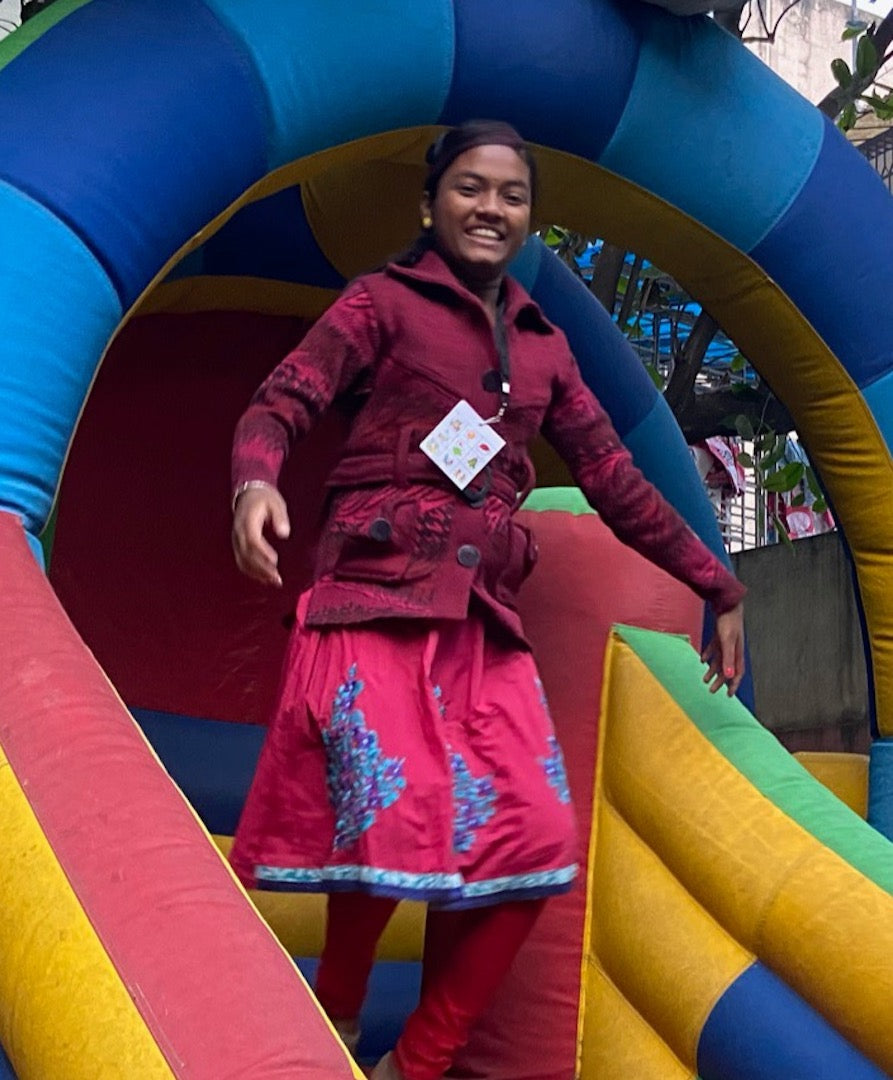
409,759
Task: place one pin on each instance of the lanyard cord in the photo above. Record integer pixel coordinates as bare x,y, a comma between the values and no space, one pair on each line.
505,382
477,496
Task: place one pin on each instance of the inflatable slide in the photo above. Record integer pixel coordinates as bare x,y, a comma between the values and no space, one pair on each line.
184,186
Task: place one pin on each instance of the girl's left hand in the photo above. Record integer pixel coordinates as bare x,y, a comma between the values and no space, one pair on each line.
725,653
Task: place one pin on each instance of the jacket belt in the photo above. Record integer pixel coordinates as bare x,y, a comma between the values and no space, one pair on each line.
413,467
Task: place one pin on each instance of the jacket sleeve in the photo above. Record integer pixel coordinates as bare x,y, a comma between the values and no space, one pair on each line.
582,433
339,347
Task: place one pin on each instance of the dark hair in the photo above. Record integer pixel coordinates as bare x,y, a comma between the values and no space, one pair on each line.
455,141
444,151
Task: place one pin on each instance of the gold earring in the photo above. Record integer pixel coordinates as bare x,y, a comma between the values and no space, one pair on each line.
427,221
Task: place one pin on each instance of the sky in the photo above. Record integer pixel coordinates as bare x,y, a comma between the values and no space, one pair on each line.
879,7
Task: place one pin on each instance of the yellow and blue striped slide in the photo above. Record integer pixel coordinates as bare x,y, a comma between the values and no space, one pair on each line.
740,919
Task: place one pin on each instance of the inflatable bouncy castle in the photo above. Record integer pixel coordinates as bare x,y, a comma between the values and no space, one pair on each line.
184,186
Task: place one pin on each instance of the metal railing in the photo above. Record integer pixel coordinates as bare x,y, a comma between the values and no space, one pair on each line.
758,518
879,152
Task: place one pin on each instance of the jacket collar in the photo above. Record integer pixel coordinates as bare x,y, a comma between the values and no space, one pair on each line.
432,270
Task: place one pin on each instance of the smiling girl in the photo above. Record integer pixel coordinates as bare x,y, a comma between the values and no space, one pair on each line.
412,753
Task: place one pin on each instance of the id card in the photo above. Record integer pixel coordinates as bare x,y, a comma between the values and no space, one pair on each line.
461,444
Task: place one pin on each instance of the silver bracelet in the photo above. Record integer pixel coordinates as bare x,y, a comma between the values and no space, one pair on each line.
248,485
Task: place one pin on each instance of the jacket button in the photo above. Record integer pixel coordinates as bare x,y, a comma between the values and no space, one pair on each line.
468,555
380,529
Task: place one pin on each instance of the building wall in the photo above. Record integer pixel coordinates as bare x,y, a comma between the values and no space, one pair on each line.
807,656
807,40
805,640
9,16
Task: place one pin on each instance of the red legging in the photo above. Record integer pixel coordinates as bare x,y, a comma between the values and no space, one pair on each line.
467,955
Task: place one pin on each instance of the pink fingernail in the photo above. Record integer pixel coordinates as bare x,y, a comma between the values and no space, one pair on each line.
730,671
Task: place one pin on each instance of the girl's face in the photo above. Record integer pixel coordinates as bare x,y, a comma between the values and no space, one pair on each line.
481,212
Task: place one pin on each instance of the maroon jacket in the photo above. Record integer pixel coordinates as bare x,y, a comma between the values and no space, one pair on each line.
399,538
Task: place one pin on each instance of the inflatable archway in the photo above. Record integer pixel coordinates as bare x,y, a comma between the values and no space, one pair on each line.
177,155
661,133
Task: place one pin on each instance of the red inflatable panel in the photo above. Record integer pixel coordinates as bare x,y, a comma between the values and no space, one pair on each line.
141,558
212,985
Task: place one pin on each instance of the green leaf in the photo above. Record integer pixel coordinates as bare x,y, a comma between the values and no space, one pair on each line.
744,427
866,57
738,363
656,376
772,458
746,460
765,442
840,69
783,535
798,500
819,506
812,482
850,32
848,117
785,479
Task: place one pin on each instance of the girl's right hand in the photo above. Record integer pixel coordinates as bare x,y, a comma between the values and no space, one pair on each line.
725,653
255,510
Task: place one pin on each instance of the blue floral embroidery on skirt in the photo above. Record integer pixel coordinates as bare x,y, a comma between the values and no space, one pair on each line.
541,690
473,800
360,779
555,771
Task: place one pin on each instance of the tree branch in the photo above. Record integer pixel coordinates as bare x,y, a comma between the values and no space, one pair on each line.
689,361
834,101
606,276
632,287
768,36
774,30
703,415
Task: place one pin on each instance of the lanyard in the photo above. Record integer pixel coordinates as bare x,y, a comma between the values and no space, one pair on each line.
505,382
